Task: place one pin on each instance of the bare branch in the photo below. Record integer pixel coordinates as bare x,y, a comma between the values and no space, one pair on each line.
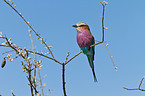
110,55
30,27
104,3
139,87
63,79
36,66
73,57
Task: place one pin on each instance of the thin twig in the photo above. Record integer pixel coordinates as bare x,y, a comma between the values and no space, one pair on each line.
29,66
73,57
29,78
110,56
103,30
4,46
103,22
8,51
32,85
141,82
103,27
37,54
45,56
80,53
12,93
36,66
96,44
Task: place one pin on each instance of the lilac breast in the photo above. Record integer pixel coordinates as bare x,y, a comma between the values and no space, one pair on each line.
84,39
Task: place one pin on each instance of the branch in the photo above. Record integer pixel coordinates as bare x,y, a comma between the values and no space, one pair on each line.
63,79
26,59
12,93
29,78
40,54
36,66
110,55
103,22
141,82
73,57
20,14
104,3
80,53
45,56
32,86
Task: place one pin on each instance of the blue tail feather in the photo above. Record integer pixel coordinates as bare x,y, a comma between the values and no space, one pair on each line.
91,63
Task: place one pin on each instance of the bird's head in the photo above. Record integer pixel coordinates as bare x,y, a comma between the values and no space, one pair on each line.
81,26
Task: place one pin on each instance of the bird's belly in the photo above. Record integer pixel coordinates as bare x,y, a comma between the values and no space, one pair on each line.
84,42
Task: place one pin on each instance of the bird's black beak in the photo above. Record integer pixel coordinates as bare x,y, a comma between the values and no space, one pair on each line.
74,26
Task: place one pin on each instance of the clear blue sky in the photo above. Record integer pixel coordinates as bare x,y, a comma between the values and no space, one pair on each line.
53,19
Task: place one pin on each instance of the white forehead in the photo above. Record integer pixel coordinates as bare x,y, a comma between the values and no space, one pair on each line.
81,23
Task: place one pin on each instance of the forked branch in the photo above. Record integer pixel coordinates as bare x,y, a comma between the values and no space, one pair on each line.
139,87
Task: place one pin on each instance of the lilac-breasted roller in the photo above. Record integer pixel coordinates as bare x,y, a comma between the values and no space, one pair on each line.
85,39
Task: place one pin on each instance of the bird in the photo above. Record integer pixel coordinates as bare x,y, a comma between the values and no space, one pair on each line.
85,39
